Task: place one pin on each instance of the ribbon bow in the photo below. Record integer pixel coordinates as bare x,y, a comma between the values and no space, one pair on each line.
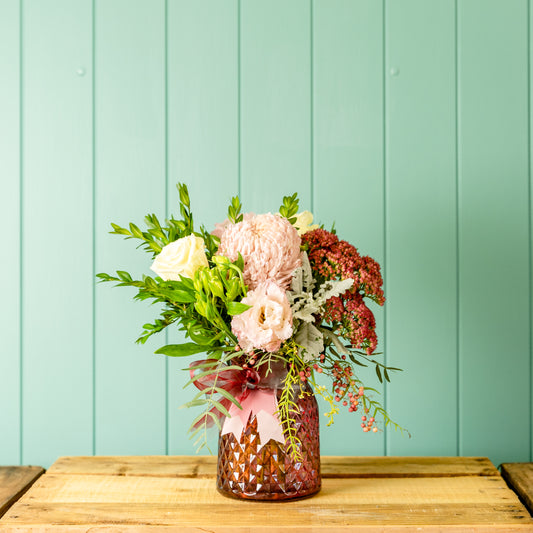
237,382
245,386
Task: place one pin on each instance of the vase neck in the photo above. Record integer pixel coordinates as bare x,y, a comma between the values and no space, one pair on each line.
272,375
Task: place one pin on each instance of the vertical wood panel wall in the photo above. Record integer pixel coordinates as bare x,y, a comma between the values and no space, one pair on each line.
130,155
407,123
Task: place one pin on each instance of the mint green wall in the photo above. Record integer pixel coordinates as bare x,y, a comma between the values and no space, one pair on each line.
405,121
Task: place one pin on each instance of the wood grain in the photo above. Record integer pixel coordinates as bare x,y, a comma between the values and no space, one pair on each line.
368,494
185,491
519,477
14,482
247,516
204,466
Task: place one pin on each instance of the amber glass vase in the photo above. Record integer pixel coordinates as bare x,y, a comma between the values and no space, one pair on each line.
253,470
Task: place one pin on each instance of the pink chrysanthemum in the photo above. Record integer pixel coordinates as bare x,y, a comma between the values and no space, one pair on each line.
221,226
269,245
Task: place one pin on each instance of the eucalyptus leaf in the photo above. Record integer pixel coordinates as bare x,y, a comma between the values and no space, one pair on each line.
311,341
221,408
193,403
182,350
227,395
215,370
203,415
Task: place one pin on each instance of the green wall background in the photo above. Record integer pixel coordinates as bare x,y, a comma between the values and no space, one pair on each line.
405,121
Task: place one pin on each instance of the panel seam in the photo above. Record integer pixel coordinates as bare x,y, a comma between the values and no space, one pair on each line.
385,198
311,105
530,229
21,228
457,242
167,385
93,5
239,118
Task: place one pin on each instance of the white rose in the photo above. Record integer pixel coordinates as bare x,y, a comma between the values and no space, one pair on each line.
182,257
304,222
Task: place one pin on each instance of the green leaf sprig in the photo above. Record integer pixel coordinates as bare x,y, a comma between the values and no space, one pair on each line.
289,208
234,210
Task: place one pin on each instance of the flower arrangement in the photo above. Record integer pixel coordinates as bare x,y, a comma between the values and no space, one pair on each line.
261,290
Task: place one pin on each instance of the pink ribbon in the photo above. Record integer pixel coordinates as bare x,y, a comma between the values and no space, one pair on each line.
244,386
262,403
236,382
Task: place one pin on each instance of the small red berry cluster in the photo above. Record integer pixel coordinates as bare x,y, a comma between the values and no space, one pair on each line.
347,392
367,424
305,373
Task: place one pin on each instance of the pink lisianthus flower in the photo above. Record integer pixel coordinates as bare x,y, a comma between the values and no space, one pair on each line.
269,245
267,323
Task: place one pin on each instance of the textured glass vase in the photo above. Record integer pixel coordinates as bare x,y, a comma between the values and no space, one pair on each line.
253,470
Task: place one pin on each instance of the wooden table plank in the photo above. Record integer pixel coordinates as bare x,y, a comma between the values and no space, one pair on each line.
156,494
519,477
248,516
204,466
14,482
184,491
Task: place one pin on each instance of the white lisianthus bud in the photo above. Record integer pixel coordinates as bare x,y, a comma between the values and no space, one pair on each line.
304,222
182,257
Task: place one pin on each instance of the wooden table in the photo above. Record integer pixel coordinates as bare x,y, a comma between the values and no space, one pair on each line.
14,482
519,477
370,494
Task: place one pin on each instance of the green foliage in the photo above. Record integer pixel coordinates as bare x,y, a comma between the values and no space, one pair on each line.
292,387
322,391
349,358
236,308
202,308
185,207
156,236
183,350
287,408
234,210
159,324
210,398
289,208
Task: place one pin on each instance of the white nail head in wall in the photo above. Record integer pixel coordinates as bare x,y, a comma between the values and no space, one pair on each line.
394,71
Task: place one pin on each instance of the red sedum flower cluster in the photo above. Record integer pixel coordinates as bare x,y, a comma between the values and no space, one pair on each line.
333,259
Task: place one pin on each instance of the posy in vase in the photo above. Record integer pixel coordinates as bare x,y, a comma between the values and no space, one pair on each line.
272,300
